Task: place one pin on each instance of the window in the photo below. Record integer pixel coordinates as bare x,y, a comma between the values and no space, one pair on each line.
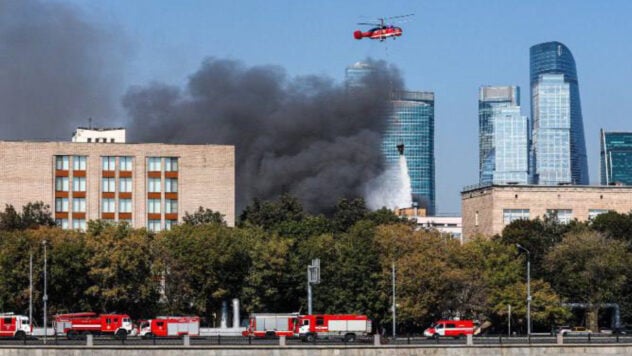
153,206
125,185
109,163
450,326
153,225
78,184
125,205
79,224
170,223
171,164
171,185
320,321
63,223
79,163
79,205
171,206
153,164
89,139
61,163
563,216
510,215
61,184
154,185
593,213
61,205
107,205
108,185
125,163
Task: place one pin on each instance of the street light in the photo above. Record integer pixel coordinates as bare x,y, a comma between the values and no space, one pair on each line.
45,298
520,247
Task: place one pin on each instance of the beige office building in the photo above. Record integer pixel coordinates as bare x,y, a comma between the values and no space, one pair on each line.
149,185
487,210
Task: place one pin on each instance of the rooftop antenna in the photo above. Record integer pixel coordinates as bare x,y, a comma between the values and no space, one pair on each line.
90,123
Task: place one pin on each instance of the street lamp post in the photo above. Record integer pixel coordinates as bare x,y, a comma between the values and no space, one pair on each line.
45,298
520,247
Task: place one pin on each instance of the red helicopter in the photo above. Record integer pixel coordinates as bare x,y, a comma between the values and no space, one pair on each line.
381,31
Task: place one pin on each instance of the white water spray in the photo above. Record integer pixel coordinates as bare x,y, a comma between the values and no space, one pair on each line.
391,189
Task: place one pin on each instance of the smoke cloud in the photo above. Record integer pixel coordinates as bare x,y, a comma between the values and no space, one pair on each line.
306,136
56,70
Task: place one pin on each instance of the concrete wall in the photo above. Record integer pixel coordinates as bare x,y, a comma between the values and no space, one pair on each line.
325,351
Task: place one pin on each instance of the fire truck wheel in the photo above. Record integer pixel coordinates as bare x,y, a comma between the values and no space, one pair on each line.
20,335
350,337
121,334
310,338
72,335
435,336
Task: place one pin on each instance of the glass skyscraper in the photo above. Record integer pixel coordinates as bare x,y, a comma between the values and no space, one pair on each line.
558,148
412,123
616,158
503,136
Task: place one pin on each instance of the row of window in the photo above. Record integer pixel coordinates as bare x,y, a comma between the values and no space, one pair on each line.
108,205
564,216
154,225
108,185
108,163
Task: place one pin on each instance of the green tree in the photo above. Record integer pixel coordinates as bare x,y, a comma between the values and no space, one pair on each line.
204,216
33,216
120,269
614,225
269,214
348,212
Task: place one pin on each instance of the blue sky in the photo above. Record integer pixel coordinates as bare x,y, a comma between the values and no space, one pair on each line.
449,47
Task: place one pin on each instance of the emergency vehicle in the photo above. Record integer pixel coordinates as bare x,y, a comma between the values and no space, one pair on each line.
169,326
450,328
271,325
78,325
345,326
15,326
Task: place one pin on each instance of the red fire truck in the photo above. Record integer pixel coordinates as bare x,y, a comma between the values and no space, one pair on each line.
15,326
76,325
344,326
170,326
271,325
450,328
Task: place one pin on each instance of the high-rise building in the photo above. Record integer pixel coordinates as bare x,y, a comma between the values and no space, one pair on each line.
558,146
355,73
412,123
616,158
503,136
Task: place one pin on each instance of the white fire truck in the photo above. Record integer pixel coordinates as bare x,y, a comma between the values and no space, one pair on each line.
170,326
15,326
345,326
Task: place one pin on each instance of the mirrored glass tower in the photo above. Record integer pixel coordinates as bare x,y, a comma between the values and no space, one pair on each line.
616,158
558,148
503,136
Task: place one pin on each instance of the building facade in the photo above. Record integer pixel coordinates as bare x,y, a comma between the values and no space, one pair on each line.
616,158
558,153
148,185
487,210
503,136
412,124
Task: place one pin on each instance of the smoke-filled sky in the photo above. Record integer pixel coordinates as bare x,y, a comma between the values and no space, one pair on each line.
63,61
305,136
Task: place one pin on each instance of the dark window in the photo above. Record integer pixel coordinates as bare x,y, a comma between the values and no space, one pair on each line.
450,326
111,140
7,320
320,321
89,139
160,324
108,321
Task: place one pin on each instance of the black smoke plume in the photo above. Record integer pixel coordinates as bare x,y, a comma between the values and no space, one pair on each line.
56,70
307,136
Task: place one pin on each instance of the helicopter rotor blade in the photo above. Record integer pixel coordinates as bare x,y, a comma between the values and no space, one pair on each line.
400,16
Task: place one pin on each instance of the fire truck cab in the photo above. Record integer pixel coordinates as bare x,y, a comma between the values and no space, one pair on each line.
345,326
15,326
450,328
169,326
78,325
